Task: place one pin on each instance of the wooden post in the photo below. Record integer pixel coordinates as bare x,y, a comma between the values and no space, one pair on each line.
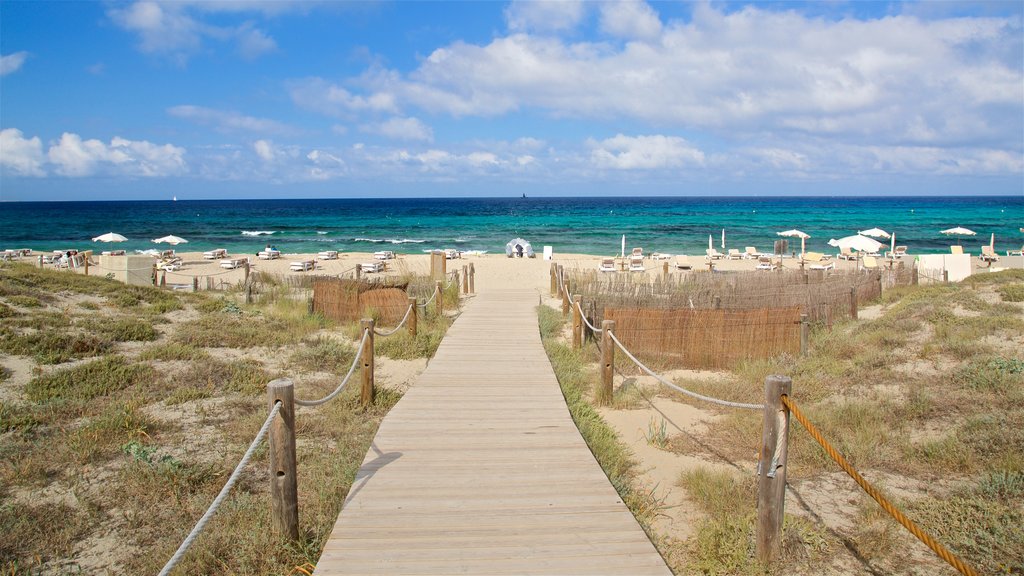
565,298
805,330
359,271
853,302
195,284
412,317
366,358
718,302
945,276
163,278
248,293
283,481
246,269
664,271
771,468
577,322
455,280
472,278
604,391
879,283
439,301
465,279
86,265
913,275
554,278
152,274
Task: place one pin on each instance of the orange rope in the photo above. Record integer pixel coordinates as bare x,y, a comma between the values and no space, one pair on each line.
889,507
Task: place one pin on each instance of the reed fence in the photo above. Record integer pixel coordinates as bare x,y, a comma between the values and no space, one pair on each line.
349,300
707,338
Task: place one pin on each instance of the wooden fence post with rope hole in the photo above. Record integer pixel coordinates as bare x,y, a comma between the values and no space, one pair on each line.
465,279
412,316
439,298
359,271
771,468
853,302
565,297
366,359
604,391
553,271
805,332
283,481
246,268
472,278
913,276
577,322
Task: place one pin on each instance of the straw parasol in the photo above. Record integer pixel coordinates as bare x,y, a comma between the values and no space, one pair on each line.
109,237
172,240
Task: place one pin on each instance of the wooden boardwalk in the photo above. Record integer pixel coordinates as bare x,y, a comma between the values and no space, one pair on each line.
479,469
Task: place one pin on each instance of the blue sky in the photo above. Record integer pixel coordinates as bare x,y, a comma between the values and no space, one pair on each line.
245,99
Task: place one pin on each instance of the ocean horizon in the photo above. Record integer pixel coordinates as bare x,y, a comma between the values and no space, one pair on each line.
594,225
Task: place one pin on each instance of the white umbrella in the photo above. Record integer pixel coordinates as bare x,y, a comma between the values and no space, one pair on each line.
723,238
711,242
857,242
959,231
109,237
623,255
874,233
172,240
803,236
892,245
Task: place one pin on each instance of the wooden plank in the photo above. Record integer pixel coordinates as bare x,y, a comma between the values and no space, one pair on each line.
480,469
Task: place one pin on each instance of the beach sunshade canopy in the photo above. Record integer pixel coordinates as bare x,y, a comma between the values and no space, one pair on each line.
109,237
874,233
959,231
172,240
795,234
857,242
514,246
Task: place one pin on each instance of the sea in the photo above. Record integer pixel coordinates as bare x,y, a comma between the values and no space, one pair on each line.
675,225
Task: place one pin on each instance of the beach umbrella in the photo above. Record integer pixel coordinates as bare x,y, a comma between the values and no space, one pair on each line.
874,233
959,231
109,237
803,236
623,254
892,244
711,243
723,238
172,240
857,242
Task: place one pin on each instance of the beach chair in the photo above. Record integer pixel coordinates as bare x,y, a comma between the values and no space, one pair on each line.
956,250
215,254
607,265
988,254
636,264
232,263
846,254
1018,252
388,255
713,254
734,254
327,255
683,262
822,265
302,265
900,252
449,254
660,256
269,254
751,253
637,253
870,263
372,267
765,263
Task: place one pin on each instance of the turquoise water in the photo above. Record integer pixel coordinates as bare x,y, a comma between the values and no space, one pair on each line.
584,225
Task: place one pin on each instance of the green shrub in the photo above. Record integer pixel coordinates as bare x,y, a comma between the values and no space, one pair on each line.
1012,292
25,301
52,347
172,351
323,355
243,376
86,381
123,329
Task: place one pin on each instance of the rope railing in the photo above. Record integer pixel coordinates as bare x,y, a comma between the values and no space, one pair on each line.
198,529
432,296
396,328
886,505
690,393
344,381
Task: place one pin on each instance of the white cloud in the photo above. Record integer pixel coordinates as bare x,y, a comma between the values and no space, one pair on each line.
644,153
410,129
253,43
321,96
534,16
23,156
12,62
73,156
630,19
226,120
264,149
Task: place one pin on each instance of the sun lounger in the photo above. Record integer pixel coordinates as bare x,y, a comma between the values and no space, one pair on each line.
215,254
302,265
846,254
637,253
816,257
450,254
232,263
765,263
734,254
751,252
870,263
607,265
900,252
327,255
988,254
956,250
169,264
269,254
830,265
683,262
713,254
388,255
636,264
1018,252
661,256
372,267
112,253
